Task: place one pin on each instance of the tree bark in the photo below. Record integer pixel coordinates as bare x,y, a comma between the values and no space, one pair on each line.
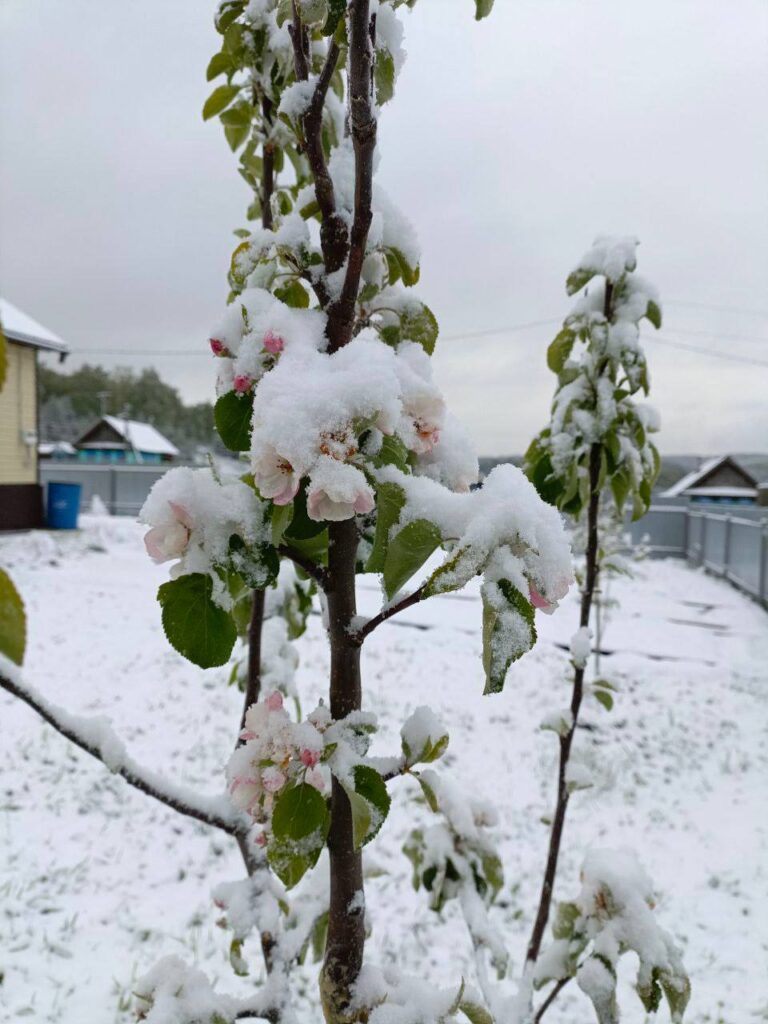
346,921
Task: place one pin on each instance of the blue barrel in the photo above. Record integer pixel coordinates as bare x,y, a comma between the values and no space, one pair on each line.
63,506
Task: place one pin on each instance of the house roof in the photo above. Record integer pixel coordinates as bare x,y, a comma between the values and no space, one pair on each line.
19,327
690,480
142,437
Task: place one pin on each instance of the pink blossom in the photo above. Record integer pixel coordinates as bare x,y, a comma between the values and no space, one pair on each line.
275,477
427,436
242,384
273,343
338,491
309,758
169,540
218,347
274,701
260,839
537,600
272,779
314,778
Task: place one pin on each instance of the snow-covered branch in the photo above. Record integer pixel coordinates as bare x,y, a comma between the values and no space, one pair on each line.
96,737
388,612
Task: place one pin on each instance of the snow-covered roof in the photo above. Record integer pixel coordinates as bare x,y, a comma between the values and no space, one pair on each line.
56,448
690,480
18,326
726,492
142,437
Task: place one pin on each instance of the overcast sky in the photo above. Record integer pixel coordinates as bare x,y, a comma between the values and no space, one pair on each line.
510,144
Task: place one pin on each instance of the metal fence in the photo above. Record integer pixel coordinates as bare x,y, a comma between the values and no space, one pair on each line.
122,489
734,547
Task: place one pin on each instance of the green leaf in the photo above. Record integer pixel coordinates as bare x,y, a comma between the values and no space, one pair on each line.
13,620
508,633
650,993
257,564
204,633
300,822
232,415
420,326
236,134
560,349
408,550
282,516
293,294
219,100
390,500
219,64
577,279
429,794
392,453
227,12
677,989
620,487
370,803
455,572
384,76
409,274
566,916
475,1013
653,313
604,698
336,11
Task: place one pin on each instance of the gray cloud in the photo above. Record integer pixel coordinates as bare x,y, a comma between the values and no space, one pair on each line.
510,145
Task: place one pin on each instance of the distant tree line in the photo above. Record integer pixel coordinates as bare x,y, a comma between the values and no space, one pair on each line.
72,402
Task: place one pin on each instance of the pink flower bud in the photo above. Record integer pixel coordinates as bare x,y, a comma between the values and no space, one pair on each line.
218,347
309,758
260,839
242,383
273,343
274,701
536,598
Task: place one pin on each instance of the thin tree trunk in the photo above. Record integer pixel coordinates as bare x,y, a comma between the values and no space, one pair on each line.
346,931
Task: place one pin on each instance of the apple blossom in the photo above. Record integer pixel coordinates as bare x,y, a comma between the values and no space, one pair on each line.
242,383
273,343
170,540
337,491
275,477
218,347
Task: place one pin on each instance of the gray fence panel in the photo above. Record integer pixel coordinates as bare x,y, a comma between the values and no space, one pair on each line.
123,489
745,553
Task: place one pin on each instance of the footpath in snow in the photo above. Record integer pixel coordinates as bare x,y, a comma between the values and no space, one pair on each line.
97,882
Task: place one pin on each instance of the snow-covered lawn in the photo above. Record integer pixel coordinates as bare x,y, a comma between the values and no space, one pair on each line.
98,881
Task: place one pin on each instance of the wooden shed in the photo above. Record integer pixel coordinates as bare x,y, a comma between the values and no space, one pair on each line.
21,497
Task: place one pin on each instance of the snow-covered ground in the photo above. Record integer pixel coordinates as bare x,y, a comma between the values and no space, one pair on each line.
98,881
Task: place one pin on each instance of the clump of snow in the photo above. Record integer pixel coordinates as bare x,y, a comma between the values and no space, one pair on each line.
421,733
581,646
173,993
611,256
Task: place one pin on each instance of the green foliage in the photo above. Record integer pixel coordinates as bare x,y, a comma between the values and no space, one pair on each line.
219,100
407,551
194,624
431,751
370,804
13,620
232,415
509,631
384,76
390,501
300,822
475,1013
482,9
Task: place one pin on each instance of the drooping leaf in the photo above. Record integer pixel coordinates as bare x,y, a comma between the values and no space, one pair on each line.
509,631
336,10
560,349
13,620
482,9
653,313
197,627
410,275
420,326
370,804
219,64
577,279
408,550
390,500
219,100
384,76
300,822
227,12
392,453
232,415
456,571
293,294
475,1013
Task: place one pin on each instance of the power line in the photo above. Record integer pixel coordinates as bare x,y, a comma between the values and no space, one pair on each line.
729,356
717,309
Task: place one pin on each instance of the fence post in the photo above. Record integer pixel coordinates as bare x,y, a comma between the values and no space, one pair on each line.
727,546
687,535
703,539
762,586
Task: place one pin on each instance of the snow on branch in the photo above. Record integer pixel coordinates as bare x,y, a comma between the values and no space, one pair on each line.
96,737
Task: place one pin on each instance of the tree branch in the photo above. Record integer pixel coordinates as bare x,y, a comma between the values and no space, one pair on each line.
95,737
333,231
360,635
316,572
550,999
362,34
566,742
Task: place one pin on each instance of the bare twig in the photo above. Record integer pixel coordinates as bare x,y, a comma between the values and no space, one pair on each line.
186,803
550,999
360,635
363,128
316,572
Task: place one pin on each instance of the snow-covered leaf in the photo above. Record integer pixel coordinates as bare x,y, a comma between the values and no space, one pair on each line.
300,821
370,804
509,631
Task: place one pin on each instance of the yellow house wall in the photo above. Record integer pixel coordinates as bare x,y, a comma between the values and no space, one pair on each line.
18,416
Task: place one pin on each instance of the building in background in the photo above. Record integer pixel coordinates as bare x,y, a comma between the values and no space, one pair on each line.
720,481
117,440
21,496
